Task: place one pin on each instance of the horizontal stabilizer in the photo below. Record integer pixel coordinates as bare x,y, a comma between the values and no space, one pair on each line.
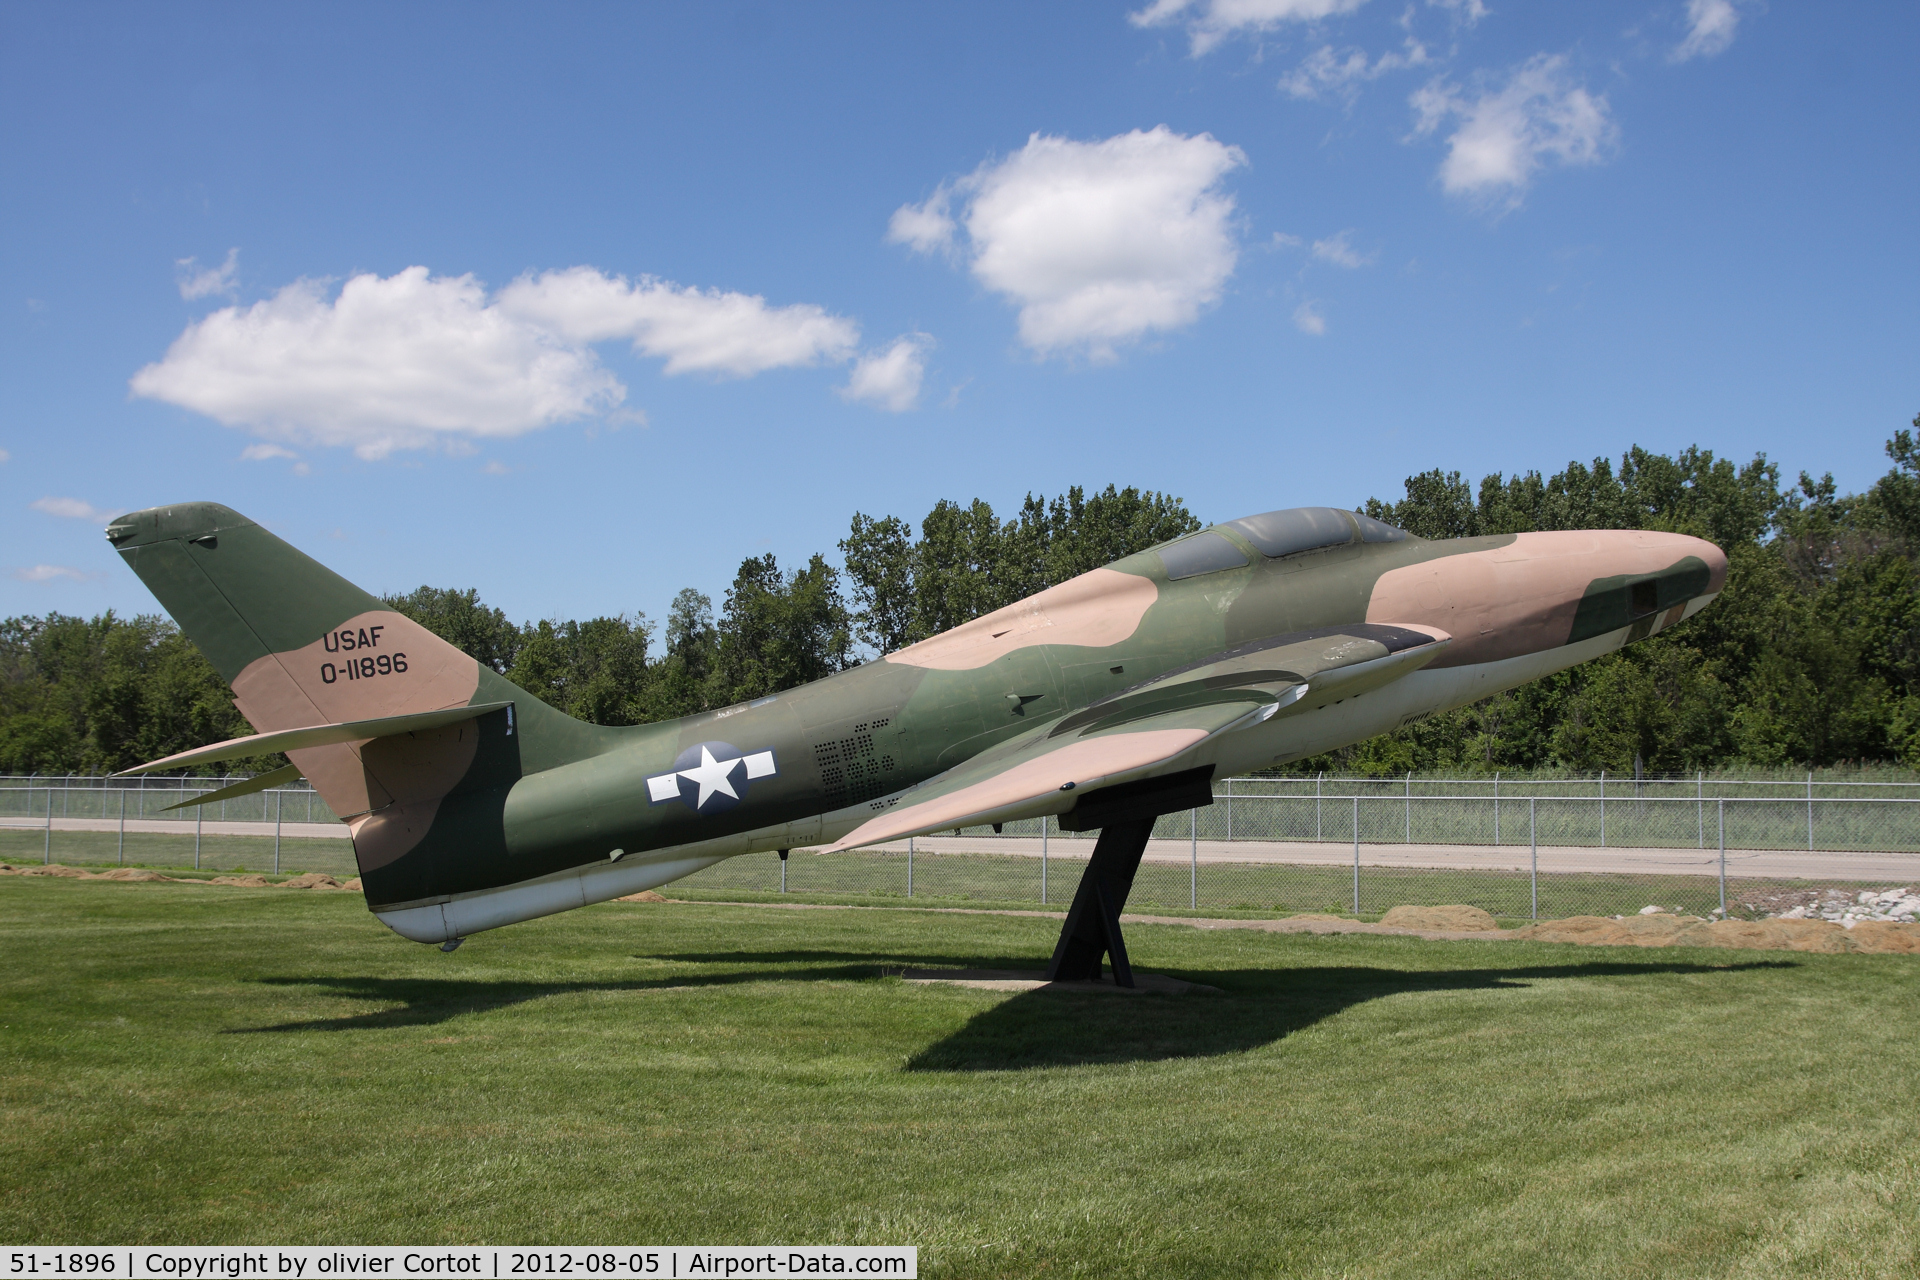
259,782
319,735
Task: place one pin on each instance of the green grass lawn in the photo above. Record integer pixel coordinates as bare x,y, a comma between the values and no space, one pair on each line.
187,1064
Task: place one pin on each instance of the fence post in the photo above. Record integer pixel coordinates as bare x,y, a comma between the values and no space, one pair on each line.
1496,808
1409,806
1043,860
199,816
1700,804
1316,804
279,802
1603,808
1193,865
783,870
1533,840
1809,811
1721,804
1356,855
47,857
1229,808
123,826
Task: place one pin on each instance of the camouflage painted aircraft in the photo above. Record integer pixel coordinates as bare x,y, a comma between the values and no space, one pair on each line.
1103,702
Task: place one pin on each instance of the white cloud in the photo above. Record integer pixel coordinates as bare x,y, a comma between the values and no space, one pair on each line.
497,469
1211,21
695,330
1281,240
52,573
74,509
925,227
1098,243
1339,250
264,452
1325,71
1505,134
411,361
1466,13
393,363
1307,319
1711,25
198,282
891,378
5,456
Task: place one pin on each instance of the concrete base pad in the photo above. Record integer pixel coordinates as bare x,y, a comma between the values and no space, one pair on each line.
1035,980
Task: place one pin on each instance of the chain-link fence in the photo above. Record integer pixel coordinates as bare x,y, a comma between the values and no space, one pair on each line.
125,821
1517,846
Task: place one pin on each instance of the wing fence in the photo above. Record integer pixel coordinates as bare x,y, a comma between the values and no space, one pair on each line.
1516,845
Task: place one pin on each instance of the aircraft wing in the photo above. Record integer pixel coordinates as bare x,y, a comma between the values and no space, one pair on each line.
1153,728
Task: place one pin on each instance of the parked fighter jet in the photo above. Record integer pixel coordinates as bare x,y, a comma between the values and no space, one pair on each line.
1104,702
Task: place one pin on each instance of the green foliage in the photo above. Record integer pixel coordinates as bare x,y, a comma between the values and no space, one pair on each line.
461,620
969,562
1810,658
94,695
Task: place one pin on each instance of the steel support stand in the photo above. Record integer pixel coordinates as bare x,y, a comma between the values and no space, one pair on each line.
1092,930
783,873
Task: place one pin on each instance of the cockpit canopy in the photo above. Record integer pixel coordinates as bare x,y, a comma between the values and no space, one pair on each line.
1274,534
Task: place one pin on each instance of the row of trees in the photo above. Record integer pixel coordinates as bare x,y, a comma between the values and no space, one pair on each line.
1811,657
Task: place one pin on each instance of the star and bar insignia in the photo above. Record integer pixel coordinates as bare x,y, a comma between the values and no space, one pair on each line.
711,777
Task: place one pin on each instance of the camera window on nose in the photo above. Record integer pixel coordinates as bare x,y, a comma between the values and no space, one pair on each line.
1643,597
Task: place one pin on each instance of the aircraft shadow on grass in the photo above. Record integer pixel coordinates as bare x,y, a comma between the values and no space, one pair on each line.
1255,1007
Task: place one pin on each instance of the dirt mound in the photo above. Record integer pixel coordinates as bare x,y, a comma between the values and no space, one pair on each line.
645,895
139,874
1821,936
311,880
65,873
1457,918
1876,937
353,886
1593,931
245,882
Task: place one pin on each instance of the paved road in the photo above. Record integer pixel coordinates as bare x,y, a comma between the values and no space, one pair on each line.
1767,864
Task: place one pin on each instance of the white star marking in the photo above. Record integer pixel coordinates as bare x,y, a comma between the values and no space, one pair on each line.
712,775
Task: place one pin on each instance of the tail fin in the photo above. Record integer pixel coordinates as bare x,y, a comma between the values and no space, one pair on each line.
303,646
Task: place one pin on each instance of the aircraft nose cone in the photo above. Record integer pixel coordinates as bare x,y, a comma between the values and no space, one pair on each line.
1636,551
1716,562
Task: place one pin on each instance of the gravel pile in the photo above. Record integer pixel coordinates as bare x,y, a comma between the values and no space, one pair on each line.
1836,905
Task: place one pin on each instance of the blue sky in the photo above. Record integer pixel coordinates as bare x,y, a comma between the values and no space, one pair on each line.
582,304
